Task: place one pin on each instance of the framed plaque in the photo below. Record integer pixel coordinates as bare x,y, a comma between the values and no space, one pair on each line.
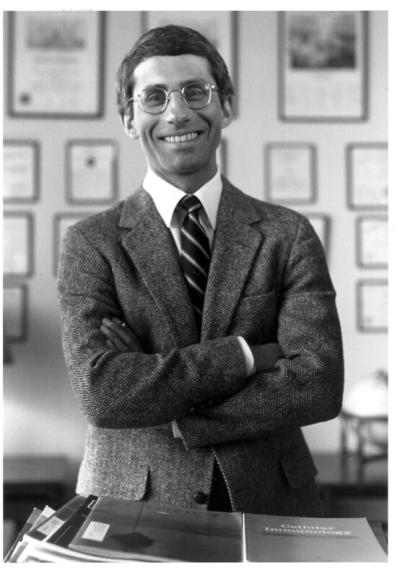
20,171
291,173
372,241
17,244
15,312
367,175
322,66
372,306
56,64
91,172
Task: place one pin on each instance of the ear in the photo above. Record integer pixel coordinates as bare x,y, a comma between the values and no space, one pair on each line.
226,108
129,125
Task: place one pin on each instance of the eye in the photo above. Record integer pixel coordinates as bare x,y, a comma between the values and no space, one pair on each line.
153,97
196,91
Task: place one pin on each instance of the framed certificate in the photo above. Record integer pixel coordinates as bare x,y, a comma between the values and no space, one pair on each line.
322,66
20,171
18,244
321,225
291,173
15,312
91,172
372,241
367,175
61,223
372,306
219,27
56,64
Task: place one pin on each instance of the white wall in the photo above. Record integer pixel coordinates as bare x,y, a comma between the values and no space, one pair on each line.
41,415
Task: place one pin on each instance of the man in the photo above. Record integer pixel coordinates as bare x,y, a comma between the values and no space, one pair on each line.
195,389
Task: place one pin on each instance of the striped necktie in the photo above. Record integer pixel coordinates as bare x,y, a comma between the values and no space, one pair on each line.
195,254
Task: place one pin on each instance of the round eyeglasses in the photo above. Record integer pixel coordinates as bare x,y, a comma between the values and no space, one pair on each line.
154,100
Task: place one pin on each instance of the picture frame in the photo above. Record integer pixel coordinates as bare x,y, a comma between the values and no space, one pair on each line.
92,174
367,176
18,241
321,225
372,241
61,222
21,171
322,63
220,27
372,304
15,313
56,64
291,173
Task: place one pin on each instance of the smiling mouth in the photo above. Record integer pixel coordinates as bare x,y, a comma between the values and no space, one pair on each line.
182,138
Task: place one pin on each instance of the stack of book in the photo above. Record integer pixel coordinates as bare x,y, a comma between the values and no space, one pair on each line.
105,529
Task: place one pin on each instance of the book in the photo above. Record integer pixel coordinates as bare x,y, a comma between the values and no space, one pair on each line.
294,539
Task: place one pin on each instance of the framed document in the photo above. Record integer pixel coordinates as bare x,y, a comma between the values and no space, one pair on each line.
322,66
321,226
367,176
61,223
56,64
372,241
91,172
219,27
291,173
18,244
372,304
15,312
20,171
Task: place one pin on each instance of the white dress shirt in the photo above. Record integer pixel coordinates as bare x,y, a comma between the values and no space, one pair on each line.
167,196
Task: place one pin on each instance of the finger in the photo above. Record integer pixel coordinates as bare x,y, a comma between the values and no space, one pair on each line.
114,338
122,331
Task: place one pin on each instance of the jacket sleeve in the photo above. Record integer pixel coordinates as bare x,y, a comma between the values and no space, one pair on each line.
307,385
135,389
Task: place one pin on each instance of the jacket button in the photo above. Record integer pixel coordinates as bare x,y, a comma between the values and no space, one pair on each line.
200,498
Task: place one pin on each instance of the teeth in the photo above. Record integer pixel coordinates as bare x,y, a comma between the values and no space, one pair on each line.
182,138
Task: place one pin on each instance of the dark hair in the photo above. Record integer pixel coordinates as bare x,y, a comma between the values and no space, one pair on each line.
171,40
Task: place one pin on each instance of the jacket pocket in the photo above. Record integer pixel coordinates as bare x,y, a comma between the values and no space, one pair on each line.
299,468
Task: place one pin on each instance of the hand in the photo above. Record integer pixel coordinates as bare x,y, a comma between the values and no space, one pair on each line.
118,335
266,356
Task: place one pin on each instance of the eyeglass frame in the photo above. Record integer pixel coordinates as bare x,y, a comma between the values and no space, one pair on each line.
208,85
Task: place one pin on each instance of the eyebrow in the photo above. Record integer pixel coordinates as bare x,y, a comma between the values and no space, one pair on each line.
162,85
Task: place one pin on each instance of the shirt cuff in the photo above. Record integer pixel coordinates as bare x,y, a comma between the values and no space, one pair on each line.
247,355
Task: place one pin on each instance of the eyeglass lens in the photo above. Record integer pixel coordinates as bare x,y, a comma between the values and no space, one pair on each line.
195,94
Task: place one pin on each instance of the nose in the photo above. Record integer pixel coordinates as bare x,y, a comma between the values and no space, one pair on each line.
177,112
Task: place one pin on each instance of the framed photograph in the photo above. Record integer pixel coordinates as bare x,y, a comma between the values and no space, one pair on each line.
20,171
91,172
291,173
372,306
322,66
219,27
15,313
321,224
372,242
56,64
17,244
367,175
61,223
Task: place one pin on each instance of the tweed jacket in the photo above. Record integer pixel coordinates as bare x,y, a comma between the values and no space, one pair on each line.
268,282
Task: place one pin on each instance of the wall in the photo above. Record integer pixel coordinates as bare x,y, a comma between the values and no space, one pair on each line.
40,413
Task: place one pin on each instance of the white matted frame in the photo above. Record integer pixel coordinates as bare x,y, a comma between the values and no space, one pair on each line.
372,241
92,173
323,66
367,175
291,172
15,312
18,244
56,62
20,171
372,305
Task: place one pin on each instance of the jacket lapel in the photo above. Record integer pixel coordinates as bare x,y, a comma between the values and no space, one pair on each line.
236,243
151,247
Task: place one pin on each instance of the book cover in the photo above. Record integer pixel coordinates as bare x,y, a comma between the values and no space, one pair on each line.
127,530
297,539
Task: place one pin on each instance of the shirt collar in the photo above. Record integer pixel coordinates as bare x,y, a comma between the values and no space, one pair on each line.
167,196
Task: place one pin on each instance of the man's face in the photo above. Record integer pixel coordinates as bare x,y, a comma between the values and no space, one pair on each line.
179,144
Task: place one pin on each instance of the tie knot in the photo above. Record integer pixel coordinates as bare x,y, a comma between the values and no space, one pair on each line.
190,203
